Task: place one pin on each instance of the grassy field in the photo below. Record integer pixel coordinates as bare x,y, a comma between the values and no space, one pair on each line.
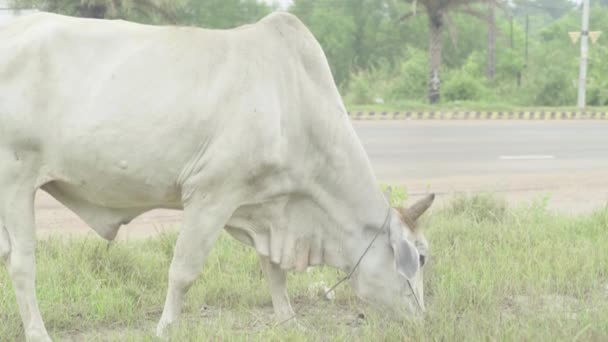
496,273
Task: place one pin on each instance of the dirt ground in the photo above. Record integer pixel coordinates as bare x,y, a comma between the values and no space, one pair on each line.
52,218
573,194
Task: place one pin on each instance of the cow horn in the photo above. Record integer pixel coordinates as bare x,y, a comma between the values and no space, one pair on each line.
418,208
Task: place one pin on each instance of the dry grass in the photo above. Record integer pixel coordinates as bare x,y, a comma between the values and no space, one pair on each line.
496,273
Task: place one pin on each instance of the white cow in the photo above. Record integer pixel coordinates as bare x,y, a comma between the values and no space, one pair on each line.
243,129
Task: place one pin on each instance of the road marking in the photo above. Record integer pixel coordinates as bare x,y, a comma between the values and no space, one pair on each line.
527,157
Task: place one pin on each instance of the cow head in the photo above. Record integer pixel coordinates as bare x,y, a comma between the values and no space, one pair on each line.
390,275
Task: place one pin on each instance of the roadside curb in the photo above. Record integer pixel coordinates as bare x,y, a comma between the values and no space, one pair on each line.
479,115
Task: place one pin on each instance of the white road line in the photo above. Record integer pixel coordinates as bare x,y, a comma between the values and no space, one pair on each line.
527,157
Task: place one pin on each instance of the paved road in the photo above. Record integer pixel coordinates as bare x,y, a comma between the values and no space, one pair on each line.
431,151
524,160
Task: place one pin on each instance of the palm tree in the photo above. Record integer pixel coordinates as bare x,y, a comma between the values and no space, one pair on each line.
438,14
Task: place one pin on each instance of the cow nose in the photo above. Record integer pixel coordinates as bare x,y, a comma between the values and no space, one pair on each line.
416,302
419,310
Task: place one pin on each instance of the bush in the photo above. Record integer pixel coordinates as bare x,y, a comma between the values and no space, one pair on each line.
360,89
409,80
554,89
597,95
398,195
406,80
479,207
460,86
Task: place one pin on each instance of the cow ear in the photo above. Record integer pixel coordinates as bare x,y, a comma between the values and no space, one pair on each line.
407,259
388,193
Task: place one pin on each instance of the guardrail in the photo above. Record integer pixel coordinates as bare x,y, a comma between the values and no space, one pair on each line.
479,115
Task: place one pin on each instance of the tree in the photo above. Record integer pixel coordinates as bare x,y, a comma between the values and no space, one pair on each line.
554,9
221,14
149,11
207,13
438,14
490,19
355,34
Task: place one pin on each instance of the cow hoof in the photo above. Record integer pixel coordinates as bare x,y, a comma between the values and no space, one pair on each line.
292,323
162,330
38,336
298,327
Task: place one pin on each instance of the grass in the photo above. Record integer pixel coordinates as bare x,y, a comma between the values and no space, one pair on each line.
460,106
496,273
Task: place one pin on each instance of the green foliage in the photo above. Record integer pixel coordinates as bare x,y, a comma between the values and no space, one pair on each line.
409,80
597,95
547,80
398,195
205,13
598,75
460,86
221,14
355,34
556,89
335,33
361,89
146,11
390,83
553,9
510,64
479,207
374,54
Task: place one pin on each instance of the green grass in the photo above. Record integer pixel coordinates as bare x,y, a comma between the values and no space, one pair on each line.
459,106
496,273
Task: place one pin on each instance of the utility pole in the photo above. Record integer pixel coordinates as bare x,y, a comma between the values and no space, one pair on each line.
582,77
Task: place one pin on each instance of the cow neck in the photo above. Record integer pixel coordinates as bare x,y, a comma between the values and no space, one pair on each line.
356,214
346,190
384,228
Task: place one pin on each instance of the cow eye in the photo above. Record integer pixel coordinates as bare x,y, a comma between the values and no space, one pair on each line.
422,259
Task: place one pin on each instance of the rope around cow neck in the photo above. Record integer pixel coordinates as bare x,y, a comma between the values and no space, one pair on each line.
385,226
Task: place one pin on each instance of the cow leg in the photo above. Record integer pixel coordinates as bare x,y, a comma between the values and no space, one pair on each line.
5,243
203,221
277,283
19,228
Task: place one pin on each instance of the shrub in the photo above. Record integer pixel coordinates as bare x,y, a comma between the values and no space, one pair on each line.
409,79
460,86
406,80
360,89
597,95
553,89
479,207
398,195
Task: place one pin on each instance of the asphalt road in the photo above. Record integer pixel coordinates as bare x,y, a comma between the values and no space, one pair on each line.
524,160
486,155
